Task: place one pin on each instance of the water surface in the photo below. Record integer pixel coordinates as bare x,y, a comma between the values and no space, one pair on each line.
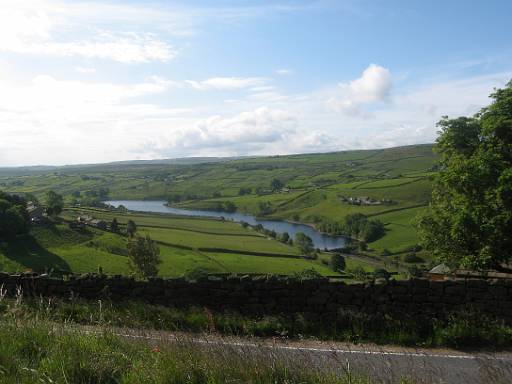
320,240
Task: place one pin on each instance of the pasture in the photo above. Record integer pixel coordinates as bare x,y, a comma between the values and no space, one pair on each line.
317,190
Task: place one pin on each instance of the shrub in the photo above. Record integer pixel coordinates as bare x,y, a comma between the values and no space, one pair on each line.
338,263
358,273
308,274
412,258
381,273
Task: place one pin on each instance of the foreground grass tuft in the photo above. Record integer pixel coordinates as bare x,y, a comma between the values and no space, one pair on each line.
47,353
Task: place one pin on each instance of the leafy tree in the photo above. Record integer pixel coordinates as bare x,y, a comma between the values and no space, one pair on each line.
131,228
276,184
114,225
144,256
244,191
358,273
338,262
14,219
54,203
229,207
381,273
264,208
285,237
305,243
469,221
359,226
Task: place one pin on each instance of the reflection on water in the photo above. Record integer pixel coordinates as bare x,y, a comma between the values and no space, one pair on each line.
320,240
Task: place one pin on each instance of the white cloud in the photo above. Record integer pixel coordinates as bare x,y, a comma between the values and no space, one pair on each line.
284,71
250,129
85,70
49,28
226,83
373,86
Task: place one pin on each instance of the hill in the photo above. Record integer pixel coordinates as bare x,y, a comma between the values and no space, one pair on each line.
391,185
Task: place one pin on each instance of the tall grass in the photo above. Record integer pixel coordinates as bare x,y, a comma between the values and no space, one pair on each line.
465,329
40,352
34,349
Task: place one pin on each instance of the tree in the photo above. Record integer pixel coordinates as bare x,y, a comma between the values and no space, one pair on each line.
305,243
338,263
14,219
131,228
264,208
381,273
469,221
114,225
276,184
144,256
54,203
229,207
285,237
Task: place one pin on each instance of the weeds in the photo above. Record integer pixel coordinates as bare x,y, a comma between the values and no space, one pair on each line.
459,330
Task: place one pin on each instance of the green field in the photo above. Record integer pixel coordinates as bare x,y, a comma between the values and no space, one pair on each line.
239,250
318,187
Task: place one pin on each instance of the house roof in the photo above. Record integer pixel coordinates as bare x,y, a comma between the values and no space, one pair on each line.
441,269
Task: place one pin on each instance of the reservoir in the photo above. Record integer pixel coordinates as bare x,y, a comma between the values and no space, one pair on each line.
320,240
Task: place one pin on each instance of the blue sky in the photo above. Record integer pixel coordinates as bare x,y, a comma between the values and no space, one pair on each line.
95,81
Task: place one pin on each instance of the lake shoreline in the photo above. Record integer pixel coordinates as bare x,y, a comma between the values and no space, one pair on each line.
321,240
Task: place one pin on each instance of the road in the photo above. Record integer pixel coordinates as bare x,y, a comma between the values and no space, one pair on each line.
381,364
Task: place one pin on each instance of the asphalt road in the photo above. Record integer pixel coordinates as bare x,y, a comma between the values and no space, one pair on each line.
382,364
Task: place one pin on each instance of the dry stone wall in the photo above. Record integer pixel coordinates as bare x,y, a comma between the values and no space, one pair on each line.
274,295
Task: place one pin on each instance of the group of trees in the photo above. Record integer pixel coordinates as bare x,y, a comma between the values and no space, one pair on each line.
357,226
360,227
305,243
469,221
14,219
244,191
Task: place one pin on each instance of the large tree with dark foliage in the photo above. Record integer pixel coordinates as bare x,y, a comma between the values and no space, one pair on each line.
469,222
54,203
14,219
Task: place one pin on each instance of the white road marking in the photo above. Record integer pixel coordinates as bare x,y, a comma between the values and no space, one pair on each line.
309,349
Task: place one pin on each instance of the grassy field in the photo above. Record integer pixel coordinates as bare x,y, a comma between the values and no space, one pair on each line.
186,245
318,187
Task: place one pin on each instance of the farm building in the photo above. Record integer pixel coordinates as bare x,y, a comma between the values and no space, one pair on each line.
92,222
35,212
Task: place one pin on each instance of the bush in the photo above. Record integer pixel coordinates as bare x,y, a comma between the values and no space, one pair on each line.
414,271
308,274
412,258
381,273
195,274
338,263
358,273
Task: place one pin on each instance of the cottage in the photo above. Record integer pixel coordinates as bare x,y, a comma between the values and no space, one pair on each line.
35,213
98,223
439,272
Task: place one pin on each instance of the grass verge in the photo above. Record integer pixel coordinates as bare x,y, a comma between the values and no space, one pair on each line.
463,329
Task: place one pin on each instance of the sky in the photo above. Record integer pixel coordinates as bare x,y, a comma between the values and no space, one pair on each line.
99,81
